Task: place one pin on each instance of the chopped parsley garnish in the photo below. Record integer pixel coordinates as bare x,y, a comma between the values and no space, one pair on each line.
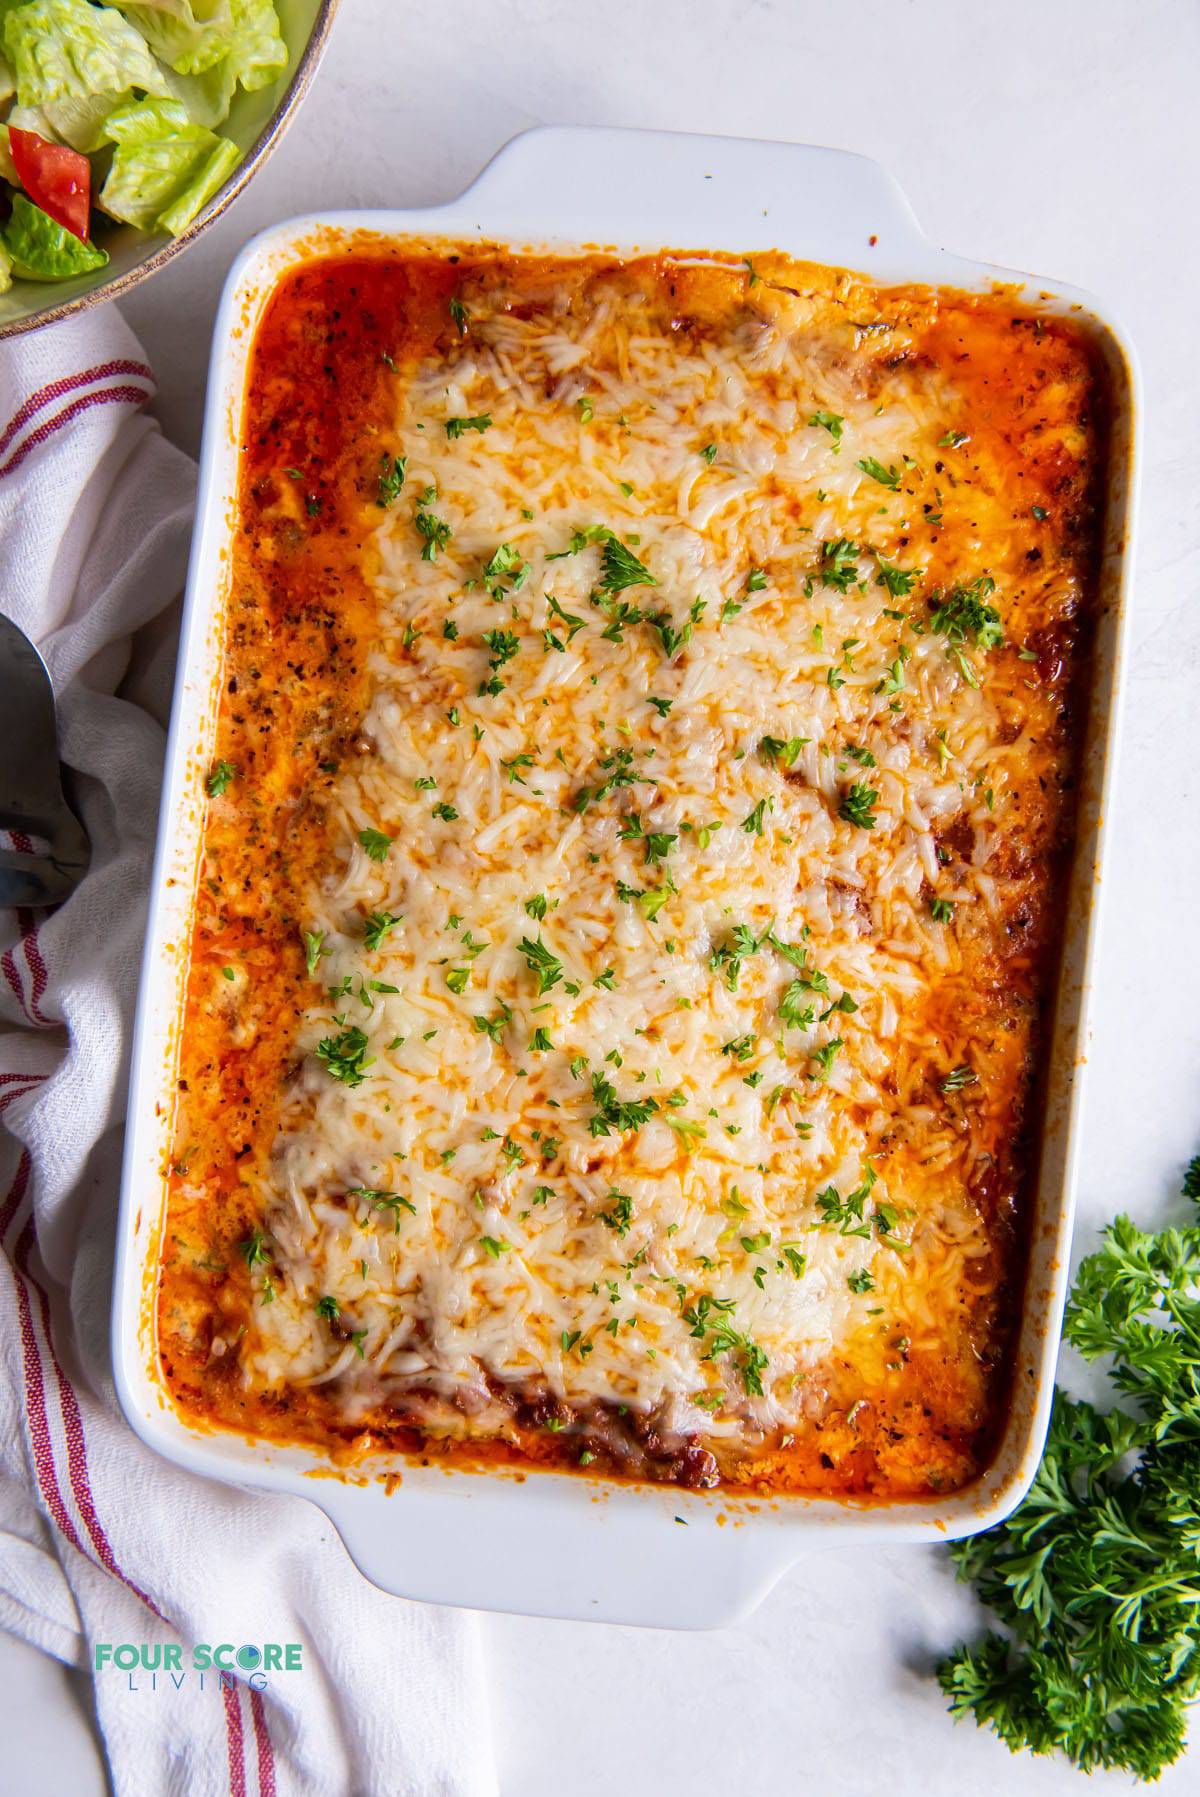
460,315
728,956
436,532
494,1248
831,422
941,910
445,811
898,581
458,979
860,1281
826,1056
958,1077
552,638
709,452
481,421
672,637
620,614
798,956
254,1250
620,568
708,1317
650,901
493,1027
794,1009
386,1201
503,560
391,479
375,843
537,906
513,1154
377,926
839,564
345,1056
964,616
613,1114
314,949
846,1215
621,1214
540,1041
661,706
858,806
221,773
894,680
887,477
541,962
618,773
953,439
781,750
752,823
687,1129
580,538
329,1308
756,580
503,644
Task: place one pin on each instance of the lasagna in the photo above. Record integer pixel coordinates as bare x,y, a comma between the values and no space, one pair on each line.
632,874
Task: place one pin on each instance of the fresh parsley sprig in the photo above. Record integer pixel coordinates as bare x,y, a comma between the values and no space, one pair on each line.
1095,1577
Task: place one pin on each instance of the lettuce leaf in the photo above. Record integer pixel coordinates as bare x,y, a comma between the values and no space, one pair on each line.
206,98
238,41
41,250
164,168
189,35
219,165
258,51
69,50
257,56
5,270
80,120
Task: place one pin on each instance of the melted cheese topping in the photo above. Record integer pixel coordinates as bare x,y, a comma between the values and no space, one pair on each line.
665,1017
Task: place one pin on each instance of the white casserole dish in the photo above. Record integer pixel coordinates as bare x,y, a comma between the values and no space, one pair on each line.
551,1544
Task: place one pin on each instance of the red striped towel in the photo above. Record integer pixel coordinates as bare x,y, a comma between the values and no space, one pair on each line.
100,1541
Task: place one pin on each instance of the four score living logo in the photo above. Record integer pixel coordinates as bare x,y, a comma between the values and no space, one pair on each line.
155,1665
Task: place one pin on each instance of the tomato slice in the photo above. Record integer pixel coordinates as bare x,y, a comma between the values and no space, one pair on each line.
56,178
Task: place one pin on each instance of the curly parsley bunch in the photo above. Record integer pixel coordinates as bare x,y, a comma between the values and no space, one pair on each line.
1096,1576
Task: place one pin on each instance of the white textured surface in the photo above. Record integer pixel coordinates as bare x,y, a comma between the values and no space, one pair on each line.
1052,138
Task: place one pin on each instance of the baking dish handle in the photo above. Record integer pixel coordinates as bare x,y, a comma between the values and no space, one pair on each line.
611,186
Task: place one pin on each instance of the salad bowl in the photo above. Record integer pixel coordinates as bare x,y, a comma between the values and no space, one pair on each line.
241,130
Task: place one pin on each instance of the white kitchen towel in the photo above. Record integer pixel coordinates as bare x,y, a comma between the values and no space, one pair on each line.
100,1541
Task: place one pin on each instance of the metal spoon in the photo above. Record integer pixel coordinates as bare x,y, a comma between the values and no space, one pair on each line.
31,795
